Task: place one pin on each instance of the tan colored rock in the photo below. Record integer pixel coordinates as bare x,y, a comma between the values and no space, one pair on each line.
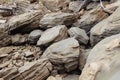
19,22
57,18
54,34
64,54
36,70
103,64
19,39
105,28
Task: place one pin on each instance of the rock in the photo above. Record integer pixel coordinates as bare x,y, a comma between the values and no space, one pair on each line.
5,39
105,28
62,77
57,18
83,58
103,61
73,5
55,5
18,22
90,18
79,34
34,36
54,34
36,70
19,39
64,54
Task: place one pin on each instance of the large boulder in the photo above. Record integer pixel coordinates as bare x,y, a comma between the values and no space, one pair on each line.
103,61
54,34
63,54
79,34
105,28
57,18
34,36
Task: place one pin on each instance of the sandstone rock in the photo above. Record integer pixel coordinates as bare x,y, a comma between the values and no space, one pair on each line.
55,5
19,22
64,54
37,70
34,36
103,61
90,18
58,18
19,39
79,34
54,34
107,27
5,39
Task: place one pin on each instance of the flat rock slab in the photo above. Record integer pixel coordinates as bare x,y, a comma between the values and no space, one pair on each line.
57,18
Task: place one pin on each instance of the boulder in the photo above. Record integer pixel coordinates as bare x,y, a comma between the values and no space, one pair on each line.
90,18
103,61
19,22
63,54
54,34
79,34
105,28
57,18
34,36
19,39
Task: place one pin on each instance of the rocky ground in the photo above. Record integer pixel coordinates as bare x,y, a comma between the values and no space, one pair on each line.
59,40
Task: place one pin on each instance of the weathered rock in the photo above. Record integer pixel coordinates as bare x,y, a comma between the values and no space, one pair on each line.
54,34
90,18
5,39
64,77
20,21
107,27
103,61
36,70
64,54
55,5
34,36
58,18
83,57
19,39
79,34
73,5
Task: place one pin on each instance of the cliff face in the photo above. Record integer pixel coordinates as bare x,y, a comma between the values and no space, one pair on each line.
59,39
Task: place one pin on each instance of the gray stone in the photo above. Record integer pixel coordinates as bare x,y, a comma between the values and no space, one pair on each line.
79,34
57,18
64,54
34,36
103,61
54,34
105,28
